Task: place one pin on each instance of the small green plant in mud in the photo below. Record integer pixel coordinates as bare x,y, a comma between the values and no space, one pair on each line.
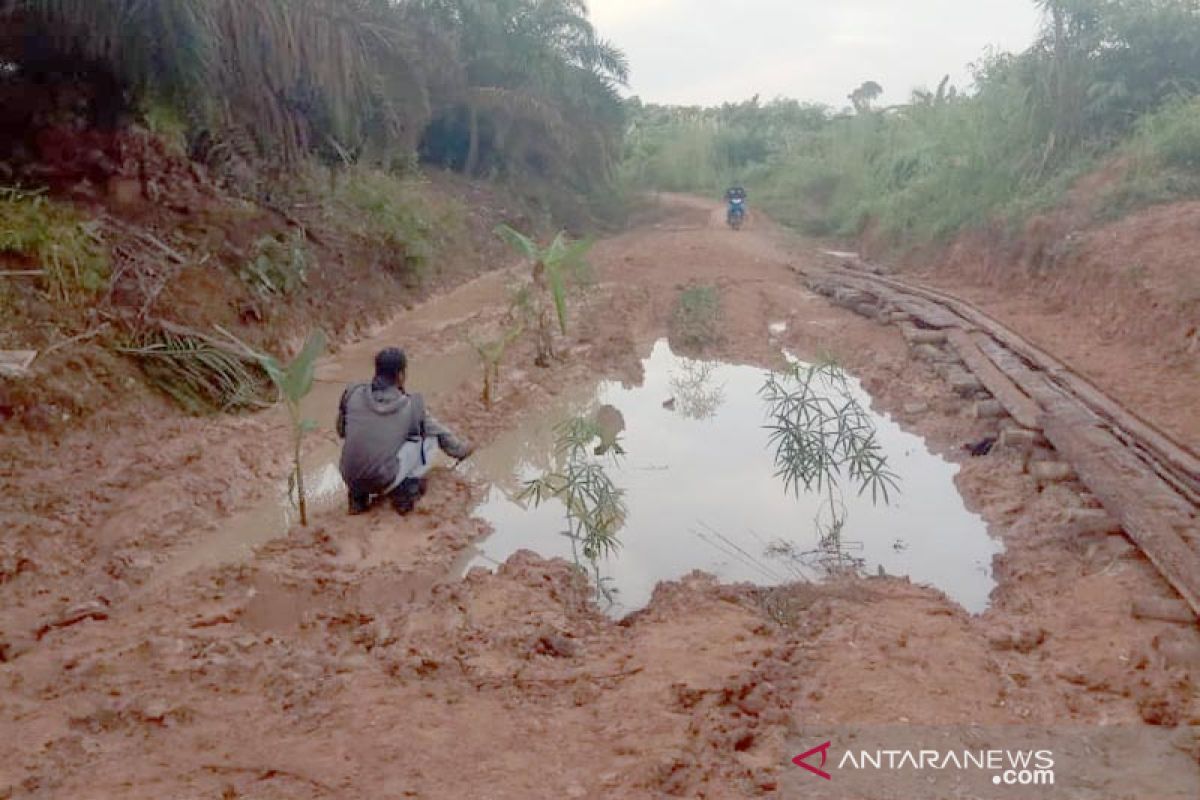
294,381
279,266
821,436
695,324
491,353
595,507
67,250
554,269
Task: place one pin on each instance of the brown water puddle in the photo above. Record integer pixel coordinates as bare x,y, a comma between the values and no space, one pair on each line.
701,490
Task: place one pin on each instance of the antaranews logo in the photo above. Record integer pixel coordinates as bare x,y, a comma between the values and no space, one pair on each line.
802,760
999,762
1009,767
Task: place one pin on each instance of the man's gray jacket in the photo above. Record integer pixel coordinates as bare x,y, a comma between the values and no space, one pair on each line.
376,423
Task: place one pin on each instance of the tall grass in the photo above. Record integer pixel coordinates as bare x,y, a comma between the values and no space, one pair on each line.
1116,78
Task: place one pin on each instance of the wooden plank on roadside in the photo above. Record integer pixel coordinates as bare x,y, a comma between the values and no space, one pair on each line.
1018,404
1158,520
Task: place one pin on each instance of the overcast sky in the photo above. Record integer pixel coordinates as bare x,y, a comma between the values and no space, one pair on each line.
712,51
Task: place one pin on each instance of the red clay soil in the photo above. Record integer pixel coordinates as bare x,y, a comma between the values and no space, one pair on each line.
344,660
1119,303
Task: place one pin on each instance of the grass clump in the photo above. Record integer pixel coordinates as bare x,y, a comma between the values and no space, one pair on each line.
1164,160
395,216
52,237
695,323
280,265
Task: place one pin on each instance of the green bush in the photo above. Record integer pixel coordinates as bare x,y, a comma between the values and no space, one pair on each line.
280,265
54,238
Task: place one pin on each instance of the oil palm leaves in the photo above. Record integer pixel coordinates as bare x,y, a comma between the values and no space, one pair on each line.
290,70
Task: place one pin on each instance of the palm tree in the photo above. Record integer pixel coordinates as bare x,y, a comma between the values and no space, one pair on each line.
539,86
291,71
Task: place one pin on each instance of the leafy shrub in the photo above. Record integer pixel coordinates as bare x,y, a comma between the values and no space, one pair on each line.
53,237
1172,135
392,213
280,265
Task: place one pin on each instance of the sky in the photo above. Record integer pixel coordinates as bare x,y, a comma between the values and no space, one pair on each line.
705,52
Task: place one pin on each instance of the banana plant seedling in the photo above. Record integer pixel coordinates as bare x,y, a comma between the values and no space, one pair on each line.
552,267
294,381
490,354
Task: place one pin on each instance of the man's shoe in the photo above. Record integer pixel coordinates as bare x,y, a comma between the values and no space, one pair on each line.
358,503
405,496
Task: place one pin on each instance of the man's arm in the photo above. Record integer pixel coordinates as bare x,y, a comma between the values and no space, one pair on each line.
450,444
341,417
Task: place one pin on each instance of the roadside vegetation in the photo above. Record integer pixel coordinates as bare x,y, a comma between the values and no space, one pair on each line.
272,166
1106,81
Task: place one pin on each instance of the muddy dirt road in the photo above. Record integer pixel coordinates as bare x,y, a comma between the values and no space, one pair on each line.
164,632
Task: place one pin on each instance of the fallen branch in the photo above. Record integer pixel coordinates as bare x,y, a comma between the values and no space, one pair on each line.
21,273
67,342
555,681
267,773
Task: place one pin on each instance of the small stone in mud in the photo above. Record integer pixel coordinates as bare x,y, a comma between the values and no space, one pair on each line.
928,352
1019,439
915,409
981,448
919,336
1051,471
988,409
551,644
1092,521
1022,640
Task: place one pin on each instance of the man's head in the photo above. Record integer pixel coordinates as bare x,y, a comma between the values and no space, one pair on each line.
390,366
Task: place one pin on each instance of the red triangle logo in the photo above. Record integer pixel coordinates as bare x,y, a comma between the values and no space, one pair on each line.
802,760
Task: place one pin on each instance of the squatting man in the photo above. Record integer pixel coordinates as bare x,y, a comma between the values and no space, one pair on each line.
389,438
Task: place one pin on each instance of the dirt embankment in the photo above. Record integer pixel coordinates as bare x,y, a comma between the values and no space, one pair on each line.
1117,301
342,660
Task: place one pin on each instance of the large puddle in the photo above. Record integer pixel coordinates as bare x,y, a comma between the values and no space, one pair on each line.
701,492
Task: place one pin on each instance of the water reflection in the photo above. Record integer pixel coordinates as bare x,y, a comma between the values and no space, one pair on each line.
713,474
695,392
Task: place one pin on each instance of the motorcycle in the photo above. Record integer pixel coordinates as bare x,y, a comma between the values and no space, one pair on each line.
736,216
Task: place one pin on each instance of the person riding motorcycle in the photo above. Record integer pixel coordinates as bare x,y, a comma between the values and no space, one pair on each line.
735,196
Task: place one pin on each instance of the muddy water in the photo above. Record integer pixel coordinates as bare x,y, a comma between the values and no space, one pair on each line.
701,492
432,374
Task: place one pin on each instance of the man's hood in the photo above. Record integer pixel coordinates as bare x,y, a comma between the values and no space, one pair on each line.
388,400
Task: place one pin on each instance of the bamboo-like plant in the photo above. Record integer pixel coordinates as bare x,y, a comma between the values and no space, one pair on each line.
553,267
822,435
595,508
